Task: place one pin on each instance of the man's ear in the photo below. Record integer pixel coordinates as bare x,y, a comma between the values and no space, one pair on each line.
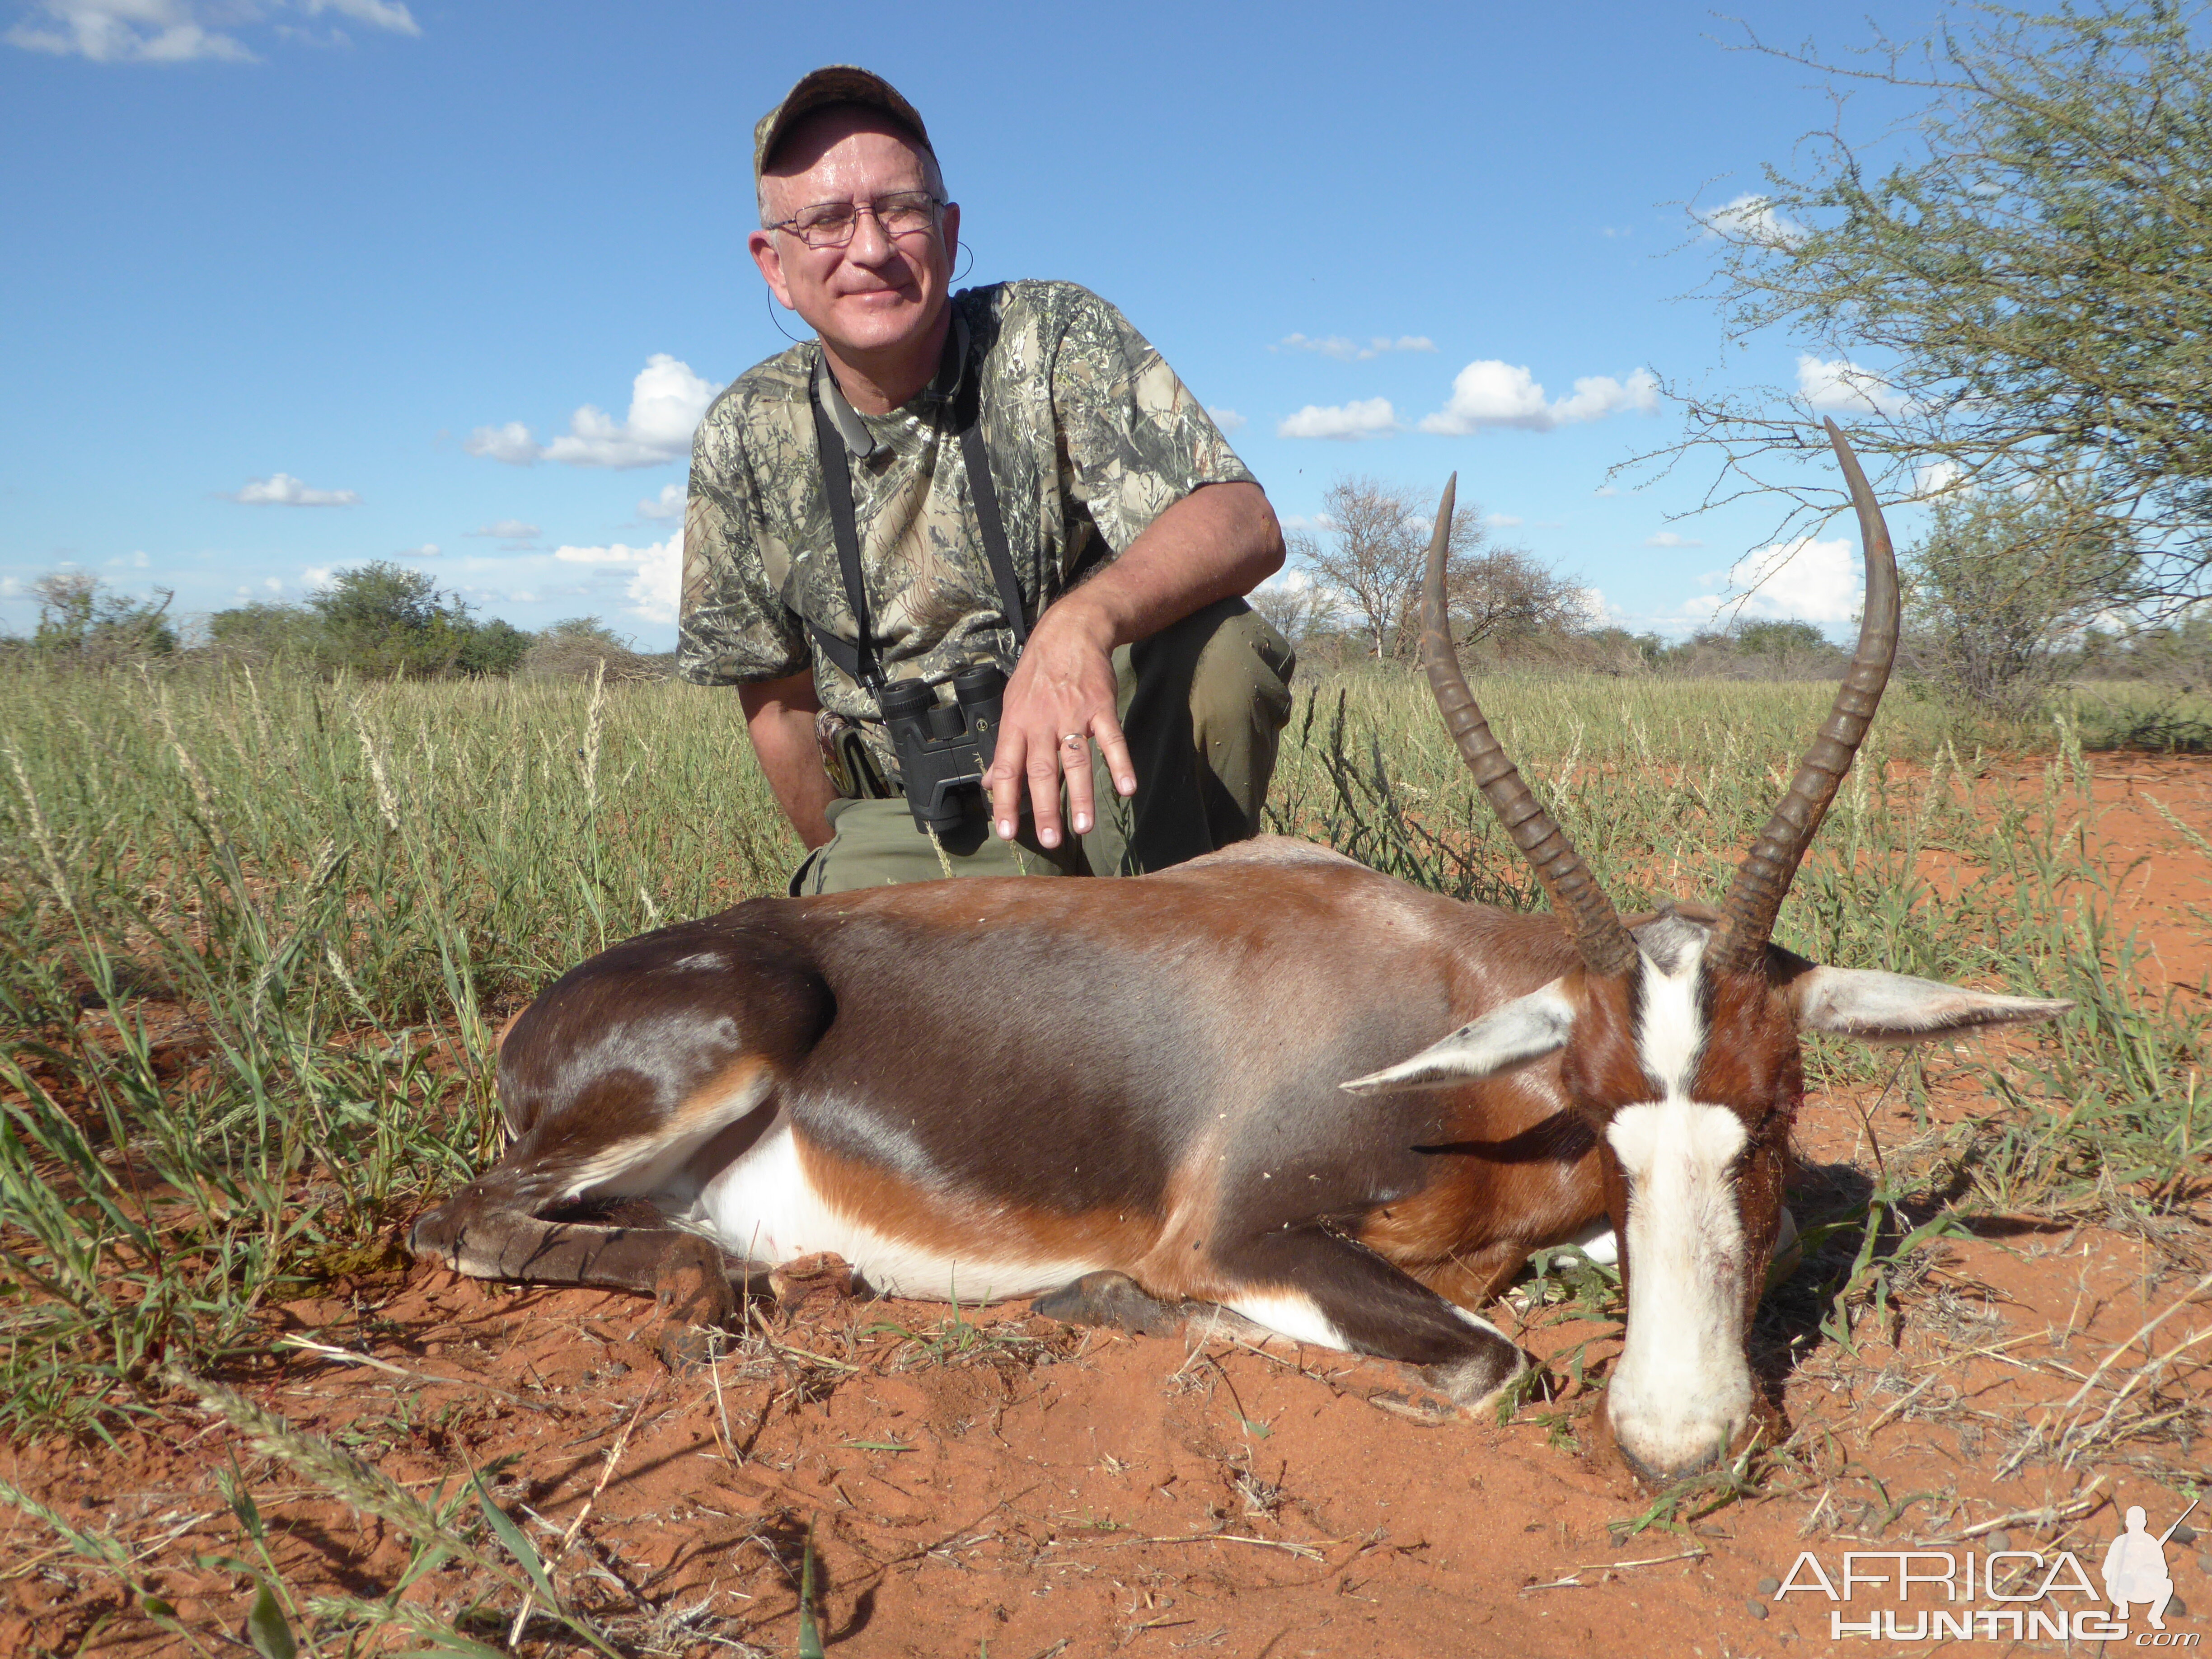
1880,1008
761,244
1526,1028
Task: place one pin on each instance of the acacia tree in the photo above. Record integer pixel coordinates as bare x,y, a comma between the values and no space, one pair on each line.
577,647
2021,302
84,623
1368,552
1299,607
1498,592
1998,593
1374,550
385,621
1785,646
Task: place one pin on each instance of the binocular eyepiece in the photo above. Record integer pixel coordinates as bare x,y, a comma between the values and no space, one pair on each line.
944,748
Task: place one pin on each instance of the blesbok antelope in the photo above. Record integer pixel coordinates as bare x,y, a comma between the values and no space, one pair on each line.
1119,1095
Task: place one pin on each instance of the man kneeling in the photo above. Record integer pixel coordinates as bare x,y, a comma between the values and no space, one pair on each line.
1009,477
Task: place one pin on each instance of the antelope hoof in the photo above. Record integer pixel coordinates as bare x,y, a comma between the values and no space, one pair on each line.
1418,1406
683,1346
1457,1388
693,1290
1475,1382
1110,1298
803,1278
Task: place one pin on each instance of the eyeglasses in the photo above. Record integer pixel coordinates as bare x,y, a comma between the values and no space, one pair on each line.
831,224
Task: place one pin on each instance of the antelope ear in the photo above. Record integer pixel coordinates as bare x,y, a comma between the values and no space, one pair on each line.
1526,1028
1898,1008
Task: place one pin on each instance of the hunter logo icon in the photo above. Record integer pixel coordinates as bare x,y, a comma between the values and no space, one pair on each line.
2135,1567
2019,1595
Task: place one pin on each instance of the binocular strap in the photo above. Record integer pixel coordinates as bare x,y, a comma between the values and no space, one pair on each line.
860,662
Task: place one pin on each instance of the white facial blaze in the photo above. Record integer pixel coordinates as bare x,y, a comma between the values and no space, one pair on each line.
1682,1388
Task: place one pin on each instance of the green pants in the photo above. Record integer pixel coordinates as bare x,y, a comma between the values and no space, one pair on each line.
1203,702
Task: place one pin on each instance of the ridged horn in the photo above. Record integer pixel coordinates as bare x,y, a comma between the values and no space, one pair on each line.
1576,897
1762,881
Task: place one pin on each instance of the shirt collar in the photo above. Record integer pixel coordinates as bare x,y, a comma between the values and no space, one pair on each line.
859,442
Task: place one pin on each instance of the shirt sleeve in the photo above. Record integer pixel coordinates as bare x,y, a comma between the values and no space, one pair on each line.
1137,441
733,627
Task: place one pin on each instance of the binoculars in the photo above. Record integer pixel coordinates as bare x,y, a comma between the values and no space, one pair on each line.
943,748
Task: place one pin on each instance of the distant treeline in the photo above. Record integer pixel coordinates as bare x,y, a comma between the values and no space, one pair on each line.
2180,655
384,620
376,621
1750,651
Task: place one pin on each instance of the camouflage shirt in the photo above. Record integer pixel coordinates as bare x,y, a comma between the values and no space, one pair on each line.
1090,437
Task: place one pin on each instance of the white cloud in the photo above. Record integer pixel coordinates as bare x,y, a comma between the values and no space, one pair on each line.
138,560
126,32
1599,608
1353,351
1503,521
282,490
179,31
511,443
1800,580
315,575
665,404
1488,393
1371,417
1605,489
657,572
669,504
1939,477
1227,419
1841,385
1751,218
427,550
1334,345
377,14
1598,396
1614,232
1668,538
507,529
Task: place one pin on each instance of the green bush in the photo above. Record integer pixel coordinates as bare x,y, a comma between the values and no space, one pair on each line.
83,624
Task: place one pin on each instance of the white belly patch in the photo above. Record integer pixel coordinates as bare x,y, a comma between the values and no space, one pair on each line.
763,1207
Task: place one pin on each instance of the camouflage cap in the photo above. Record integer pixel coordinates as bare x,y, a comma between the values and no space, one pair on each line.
837,83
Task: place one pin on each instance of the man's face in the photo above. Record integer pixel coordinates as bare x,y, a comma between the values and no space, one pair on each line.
876,293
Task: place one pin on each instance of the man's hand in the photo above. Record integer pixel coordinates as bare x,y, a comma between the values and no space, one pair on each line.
1059,701
1219,541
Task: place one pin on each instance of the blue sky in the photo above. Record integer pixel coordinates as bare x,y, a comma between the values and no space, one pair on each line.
293,284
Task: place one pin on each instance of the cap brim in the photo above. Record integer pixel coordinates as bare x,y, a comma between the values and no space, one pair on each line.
836,83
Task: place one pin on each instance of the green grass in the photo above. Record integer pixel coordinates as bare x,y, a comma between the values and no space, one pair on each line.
255,938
